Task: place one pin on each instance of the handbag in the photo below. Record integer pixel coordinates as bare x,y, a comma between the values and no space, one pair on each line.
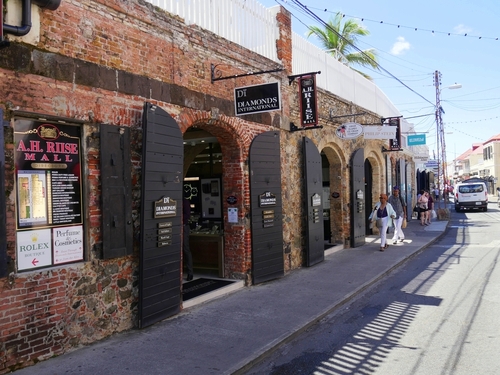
403,224
379,223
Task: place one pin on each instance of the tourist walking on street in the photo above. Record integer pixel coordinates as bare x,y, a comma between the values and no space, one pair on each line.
397,202
423,200
430,207
383,214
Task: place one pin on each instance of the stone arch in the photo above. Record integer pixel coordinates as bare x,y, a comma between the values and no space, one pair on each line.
378,177
338,183
234,137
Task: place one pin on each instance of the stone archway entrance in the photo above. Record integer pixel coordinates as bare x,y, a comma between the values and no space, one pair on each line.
215,181
334,189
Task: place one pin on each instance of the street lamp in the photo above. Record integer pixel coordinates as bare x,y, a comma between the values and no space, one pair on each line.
440,142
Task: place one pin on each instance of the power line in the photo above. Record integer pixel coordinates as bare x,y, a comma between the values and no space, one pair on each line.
325,24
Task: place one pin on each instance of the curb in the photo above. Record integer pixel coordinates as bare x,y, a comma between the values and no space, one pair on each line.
258,356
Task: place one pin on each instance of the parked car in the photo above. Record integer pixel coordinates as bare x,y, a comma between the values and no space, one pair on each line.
471,194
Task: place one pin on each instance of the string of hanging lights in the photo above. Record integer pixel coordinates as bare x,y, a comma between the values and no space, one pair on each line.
399,26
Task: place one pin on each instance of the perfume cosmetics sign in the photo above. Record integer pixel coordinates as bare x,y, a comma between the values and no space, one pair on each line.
68,244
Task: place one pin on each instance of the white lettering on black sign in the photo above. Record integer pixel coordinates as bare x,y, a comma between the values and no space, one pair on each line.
165,207
257,98
267,199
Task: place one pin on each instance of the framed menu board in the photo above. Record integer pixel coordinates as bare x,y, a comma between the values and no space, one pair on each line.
49,191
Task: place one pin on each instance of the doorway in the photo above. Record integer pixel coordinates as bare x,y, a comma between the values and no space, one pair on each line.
202,186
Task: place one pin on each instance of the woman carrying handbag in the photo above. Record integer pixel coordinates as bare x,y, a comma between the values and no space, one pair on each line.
383,214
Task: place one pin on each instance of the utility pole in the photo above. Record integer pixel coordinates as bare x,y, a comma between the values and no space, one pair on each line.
439,131
440,143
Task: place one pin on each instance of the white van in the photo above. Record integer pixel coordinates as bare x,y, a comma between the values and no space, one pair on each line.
471,194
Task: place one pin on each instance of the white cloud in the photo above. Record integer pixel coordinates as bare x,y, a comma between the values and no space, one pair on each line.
462,29
400,46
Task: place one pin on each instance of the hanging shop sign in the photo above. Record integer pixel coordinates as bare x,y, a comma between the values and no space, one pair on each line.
379,132
49,193
349,130
395,143
308,101
257,98
422,158
416,139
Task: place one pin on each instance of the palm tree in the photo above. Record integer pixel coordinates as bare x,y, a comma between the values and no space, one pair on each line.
340,38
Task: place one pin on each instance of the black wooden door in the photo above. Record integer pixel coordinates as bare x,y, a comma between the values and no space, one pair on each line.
368,195
313,183
116,186
358,198
3,229
266,207
161,210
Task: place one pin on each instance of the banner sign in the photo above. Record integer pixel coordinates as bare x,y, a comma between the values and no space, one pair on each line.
431,164
416,139
395,143
422,158
349,130
308,101
257,98
379,132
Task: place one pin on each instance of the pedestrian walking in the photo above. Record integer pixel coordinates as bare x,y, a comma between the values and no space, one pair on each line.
398,203
423,200
383,214
430,208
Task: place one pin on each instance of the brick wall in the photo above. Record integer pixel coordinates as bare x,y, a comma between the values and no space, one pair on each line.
99,61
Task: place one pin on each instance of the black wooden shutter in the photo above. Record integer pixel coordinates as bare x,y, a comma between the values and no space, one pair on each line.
3,229
266,205
160,254
116,185
315,246
358,201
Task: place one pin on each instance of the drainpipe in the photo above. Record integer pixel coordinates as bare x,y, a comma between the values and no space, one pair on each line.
26,16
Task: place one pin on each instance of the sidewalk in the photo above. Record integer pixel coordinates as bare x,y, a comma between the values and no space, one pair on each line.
225,335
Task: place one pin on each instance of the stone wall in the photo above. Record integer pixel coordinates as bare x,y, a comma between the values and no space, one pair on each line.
98,62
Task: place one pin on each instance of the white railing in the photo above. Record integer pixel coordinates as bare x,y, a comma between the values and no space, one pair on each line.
247,23
338,78
251,25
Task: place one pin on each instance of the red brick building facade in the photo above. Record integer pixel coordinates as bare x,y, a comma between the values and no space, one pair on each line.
97,63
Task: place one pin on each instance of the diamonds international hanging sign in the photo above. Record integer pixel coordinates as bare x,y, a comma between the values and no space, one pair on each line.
257,98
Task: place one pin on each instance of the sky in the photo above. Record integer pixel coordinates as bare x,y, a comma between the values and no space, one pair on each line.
412,52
